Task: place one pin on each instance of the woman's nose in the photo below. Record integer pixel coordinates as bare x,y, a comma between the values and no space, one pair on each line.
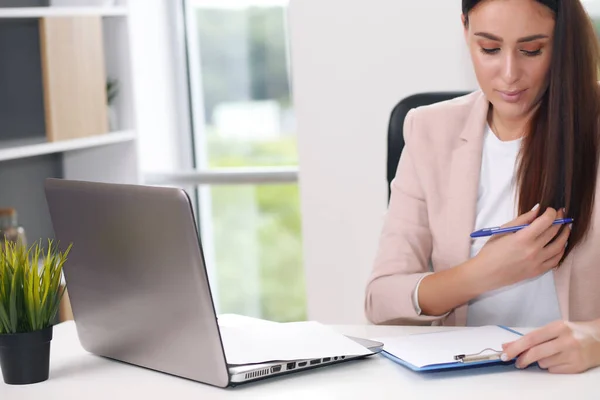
510,69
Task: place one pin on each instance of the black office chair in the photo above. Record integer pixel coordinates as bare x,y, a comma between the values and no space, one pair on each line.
396,126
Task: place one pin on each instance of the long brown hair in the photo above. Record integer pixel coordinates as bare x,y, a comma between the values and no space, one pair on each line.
558,162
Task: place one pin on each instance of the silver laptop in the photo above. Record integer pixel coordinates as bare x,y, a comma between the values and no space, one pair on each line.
138,284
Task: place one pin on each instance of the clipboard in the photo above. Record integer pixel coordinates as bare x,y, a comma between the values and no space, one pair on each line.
454,349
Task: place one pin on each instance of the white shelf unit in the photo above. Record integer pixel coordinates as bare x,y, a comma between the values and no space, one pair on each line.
26,159
24,148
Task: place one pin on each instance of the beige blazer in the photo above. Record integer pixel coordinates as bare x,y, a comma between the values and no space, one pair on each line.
432,212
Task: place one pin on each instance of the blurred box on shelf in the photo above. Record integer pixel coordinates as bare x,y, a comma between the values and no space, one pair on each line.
74,77
53,80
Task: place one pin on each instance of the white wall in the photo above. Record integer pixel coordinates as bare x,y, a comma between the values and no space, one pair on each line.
352,61
592,7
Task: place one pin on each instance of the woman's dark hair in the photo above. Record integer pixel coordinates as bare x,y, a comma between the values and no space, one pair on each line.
559,158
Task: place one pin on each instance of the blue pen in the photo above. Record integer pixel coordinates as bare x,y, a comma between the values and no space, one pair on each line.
497,230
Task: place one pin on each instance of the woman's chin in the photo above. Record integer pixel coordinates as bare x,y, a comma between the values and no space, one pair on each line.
512,110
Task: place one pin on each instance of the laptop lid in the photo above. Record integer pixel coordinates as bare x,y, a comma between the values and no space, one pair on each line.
136,277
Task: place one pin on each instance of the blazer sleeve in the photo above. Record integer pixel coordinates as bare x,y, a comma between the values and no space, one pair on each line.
405,244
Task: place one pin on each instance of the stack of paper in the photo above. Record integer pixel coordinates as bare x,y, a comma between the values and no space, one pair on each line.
250,341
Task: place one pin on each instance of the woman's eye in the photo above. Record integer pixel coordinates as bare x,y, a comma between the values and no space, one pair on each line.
532,53
489,50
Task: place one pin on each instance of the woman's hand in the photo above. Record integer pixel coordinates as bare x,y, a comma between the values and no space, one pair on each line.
510,258
560,347
504,260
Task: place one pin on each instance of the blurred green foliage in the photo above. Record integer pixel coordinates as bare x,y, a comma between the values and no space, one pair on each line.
257,228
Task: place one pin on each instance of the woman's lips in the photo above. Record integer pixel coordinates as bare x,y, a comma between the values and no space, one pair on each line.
512,96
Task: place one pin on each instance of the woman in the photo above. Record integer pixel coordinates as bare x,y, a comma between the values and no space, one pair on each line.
521,150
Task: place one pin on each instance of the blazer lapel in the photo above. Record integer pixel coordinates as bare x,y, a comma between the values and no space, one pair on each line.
463,191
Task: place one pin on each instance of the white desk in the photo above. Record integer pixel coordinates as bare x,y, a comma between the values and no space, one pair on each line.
75,374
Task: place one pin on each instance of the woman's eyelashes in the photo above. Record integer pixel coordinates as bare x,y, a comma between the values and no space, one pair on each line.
532,53
485,50
495,50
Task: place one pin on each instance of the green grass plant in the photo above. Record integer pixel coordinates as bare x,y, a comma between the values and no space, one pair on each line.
30,286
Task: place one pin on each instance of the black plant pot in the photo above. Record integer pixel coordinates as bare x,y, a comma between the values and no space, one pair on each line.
25,357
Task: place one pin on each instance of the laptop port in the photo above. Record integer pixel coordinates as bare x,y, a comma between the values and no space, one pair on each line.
276,368
334,358
302,364
327,359
315,362
290,366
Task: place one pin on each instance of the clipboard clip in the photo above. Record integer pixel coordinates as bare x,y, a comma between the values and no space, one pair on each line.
469,358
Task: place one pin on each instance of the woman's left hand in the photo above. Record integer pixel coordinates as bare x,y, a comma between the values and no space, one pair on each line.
561,347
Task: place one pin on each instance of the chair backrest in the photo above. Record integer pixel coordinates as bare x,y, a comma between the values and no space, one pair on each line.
396,125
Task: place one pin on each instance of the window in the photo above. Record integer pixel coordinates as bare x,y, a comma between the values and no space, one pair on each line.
245,155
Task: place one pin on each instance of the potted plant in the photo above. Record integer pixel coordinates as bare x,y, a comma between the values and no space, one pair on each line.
30,294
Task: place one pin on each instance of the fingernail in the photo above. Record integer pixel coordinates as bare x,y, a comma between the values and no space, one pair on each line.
535,207
504,357
570,226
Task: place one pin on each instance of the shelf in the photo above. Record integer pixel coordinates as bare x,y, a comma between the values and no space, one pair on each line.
17,149
56,11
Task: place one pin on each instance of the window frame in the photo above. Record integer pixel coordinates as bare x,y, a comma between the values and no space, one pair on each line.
196,176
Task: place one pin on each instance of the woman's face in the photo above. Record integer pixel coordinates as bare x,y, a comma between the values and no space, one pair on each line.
510,42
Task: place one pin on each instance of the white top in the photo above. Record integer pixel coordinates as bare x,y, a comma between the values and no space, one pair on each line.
76,374
530,303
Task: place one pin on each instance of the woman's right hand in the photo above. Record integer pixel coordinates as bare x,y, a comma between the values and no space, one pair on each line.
504,260
514,257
